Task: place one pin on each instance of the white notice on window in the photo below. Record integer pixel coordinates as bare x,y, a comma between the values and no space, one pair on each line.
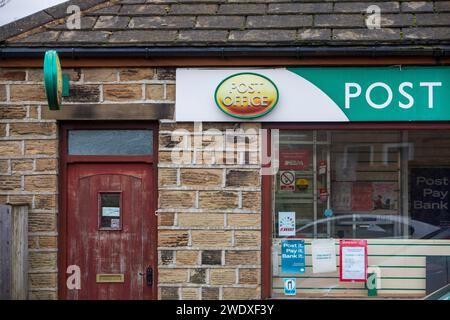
323,255
353,263
286,224
110,211
115,223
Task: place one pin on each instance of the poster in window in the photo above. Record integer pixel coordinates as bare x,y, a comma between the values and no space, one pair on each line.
429,195
353,260
294,159
286,224
385,196
290,286
322,167
115,223
323,255
293,256
362,196
287,180
111,211
341,196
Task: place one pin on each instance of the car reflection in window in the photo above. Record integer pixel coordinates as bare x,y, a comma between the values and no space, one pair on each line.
369,226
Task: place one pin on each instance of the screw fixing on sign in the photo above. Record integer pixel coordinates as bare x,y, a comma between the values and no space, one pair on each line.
56,84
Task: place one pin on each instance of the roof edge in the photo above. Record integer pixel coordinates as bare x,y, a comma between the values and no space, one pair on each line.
43,17
224,52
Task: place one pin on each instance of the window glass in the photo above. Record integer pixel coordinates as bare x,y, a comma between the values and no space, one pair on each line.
110,142
293,187
355,174
110,210
365,182
385,191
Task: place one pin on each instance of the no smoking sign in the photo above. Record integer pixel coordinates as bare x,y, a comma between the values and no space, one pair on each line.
287,180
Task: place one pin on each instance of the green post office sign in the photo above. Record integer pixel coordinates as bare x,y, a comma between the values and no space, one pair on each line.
315,94
56,84
385,93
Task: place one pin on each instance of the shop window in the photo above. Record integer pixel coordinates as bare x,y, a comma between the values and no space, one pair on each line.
298,182
110,142
388,190
362,184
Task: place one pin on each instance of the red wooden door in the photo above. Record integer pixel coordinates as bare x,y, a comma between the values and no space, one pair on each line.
110,231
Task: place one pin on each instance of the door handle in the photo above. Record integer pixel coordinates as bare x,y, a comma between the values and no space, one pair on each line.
149,276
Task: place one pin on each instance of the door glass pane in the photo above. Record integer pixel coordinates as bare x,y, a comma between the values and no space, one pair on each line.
110,215
110,142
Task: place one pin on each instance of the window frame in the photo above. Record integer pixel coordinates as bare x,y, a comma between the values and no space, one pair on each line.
110,125
100,213
72,135
267,180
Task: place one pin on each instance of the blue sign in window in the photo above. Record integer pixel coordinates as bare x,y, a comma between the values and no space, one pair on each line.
293,256
290,287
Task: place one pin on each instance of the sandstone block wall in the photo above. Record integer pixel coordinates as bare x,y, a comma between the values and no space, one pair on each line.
209,206
209,212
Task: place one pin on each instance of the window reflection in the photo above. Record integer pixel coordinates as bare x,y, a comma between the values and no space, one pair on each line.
110,142
387,184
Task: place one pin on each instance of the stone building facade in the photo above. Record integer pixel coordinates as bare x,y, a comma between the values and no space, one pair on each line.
209,216
29,172
209,204
208,210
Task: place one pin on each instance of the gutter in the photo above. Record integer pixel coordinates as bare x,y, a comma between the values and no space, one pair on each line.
226,52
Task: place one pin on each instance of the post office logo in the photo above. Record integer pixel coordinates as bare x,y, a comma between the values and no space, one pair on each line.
246,95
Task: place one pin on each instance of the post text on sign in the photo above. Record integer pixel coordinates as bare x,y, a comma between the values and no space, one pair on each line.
430,191
354,90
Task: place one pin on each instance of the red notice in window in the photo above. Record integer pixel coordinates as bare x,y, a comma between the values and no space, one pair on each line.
294,159
362,194
353,260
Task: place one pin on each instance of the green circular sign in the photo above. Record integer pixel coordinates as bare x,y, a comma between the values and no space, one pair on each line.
53,79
